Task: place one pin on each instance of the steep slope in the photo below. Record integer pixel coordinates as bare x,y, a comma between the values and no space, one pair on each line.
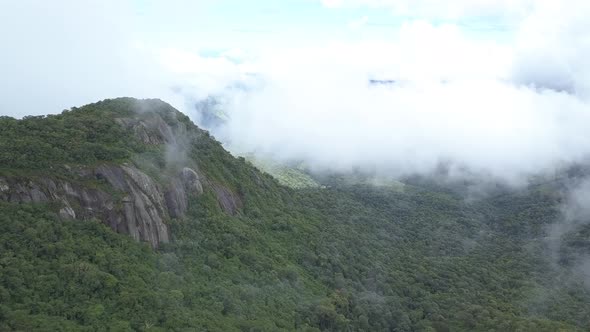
244,253
91,154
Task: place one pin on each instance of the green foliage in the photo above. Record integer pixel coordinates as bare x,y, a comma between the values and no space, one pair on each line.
83,135
352,257
293,176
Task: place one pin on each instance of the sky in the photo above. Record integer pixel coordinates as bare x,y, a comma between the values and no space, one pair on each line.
107,47
500,86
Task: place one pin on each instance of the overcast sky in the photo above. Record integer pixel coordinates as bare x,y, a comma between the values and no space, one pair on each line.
501,86
62,53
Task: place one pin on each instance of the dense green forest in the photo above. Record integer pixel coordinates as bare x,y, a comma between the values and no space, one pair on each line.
346,257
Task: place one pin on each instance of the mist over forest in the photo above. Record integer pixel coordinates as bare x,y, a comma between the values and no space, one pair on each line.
303,165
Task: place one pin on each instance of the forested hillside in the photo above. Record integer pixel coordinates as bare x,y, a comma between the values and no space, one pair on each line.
248,254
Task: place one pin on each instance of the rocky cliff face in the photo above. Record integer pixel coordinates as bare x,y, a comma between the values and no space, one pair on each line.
228,201
123,196
176,196
129,201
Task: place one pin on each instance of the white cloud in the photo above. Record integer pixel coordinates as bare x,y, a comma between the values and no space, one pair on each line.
450,9
332,3
60,54
357,24
459,98
553,47
208,74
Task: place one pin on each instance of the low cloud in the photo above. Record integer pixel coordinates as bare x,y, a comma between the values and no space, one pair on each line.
563,236
508,109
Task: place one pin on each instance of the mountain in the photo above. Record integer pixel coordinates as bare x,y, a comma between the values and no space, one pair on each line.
123,215
90,158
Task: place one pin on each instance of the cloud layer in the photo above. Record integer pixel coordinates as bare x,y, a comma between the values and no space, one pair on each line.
507,108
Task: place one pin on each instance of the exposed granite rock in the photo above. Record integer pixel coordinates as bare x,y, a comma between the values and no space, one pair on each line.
191,180
188,183
147,186
67,212
228,201
139,208
143,211
176,199
3,186
152,130
140,213
27,192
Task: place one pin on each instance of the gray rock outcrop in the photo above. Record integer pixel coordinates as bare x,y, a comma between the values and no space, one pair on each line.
152,130
188,183
229,202
137,209
135,204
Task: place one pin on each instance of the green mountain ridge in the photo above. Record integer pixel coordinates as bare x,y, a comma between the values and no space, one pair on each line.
86,195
